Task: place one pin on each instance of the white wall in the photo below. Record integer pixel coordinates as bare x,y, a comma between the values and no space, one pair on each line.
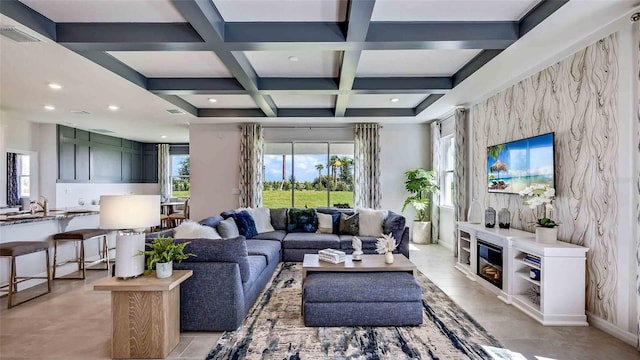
447,227
403,148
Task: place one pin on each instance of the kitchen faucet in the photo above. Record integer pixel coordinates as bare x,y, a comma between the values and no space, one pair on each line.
44,205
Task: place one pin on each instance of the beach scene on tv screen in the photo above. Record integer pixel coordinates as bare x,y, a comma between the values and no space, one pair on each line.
513,166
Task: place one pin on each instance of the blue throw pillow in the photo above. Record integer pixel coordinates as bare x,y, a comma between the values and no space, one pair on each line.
302,220
244,222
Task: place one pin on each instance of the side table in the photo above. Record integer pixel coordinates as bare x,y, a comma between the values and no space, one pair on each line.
145,313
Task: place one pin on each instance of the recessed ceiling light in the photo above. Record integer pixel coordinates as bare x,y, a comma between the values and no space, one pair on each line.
293,58
55,86
49,107
163,136
113,107
394,99
212,100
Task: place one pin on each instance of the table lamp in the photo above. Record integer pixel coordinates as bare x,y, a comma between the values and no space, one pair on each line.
130,215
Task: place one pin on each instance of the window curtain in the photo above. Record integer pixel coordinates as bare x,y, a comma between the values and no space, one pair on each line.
437,167
460,202
164,171
251,169
13,197
366,190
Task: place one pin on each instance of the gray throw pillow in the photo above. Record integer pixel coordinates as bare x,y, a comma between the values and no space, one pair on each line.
279,218
228,229
349,224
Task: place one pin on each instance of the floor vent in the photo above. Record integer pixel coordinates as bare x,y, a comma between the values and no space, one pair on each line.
17,35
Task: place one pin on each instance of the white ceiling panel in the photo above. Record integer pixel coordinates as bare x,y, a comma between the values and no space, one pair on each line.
107,10
308,64
413,62
384,100
304,101
222,101
451,10
173,63
282,10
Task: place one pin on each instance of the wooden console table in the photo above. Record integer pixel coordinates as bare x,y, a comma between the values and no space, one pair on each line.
145,313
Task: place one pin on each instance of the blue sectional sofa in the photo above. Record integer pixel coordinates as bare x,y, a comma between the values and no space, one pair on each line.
229,274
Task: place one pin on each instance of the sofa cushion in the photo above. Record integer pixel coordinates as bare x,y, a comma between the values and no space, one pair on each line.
394,224
279,218
227,228
370,221
349,224
233,250
211,221
267,248
277,235
262,218
310,241
335,216
194,230
302,220
257,264
244,222
325,223
368,242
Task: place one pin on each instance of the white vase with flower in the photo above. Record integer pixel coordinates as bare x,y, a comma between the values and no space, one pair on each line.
536,196
385,246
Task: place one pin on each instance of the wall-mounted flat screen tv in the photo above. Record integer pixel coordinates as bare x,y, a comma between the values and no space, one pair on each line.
513,166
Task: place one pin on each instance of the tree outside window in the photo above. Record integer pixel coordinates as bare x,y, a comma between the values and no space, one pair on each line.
180,170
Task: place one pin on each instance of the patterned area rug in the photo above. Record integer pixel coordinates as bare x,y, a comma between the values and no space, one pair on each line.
274,329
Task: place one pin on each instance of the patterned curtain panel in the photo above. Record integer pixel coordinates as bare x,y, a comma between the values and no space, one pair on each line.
13,197
460,202
251,172
164,171
637,159
367,166
437,168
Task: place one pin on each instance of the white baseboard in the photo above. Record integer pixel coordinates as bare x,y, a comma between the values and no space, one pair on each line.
446,244
602,324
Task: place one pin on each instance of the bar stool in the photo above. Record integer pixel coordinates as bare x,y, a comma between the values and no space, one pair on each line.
80,236
19,248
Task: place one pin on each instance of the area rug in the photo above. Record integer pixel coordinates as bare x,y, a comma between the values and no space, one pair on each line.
274,329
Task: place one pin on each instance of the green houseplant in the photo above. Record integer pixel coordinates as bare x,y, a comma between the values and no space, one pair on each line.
161,254
421,184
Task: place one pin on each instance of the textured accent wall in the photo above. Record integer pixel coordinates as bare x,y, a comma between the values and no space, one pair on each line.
577,98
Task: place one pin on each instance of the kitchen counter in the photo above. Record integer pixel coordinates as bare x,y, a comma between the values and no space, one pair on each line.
53,215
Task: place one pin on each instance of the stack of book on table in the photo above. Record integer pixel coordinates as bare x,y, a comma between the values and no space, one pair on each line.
331,255
531,259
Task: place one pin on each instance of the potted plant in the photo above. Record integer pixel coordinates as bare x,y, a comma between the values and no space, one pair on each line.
161,254
421,184
542,195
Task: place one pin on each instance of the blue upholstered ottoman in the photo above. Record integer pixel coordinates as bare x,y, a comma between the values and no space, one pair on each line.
361,299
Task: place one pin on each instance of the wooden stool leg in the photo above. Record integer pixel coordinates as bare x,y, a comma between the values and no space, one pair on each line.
84,268
46,253
12,282
55,258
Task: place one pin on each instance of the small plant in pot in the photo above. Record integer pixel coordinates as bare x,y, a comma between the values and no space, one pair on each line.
161,254
421,184
536,196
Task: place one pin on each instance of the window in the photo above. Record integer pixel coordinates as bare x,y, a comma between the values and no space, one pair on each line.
448,147
308,174
180,168
24,175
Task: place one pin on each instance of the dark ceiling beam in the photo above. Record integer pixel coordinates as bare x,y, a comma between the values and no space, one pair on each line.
207,21
181,103
294,85
382,112
191,86
428,101
538,14
29,18
474,65
358,19
209,112
320,112
278,32
390,84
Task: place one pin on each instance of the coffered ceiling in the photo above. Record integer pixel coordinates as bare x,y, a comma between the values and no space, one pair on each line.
275,61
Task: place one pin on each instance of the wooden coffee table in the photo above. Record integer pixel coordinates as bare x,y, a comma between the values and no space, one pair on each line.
369,263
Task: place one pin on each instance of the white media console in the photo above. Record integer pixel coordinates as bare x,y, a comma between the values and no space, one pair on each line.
561,269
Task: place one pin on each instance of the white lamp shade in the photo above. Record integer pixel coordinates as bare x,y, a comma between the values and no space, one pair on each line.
119,212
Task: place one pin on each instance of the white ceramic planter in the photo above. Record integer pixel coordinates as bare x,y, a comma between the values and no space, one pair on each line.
388,258
421,232
164,270
546,235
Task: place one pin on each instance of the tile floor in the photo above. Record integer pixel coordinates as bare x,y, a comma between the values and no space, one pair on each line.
74,322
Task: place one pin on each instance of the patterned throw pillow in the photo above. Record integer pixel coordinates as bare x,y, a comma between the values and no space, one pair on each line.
302,220
245,223
349,224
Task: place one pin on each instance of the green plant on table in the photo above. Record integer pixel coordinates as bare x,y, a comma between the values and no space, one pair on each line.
162,250
421,184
